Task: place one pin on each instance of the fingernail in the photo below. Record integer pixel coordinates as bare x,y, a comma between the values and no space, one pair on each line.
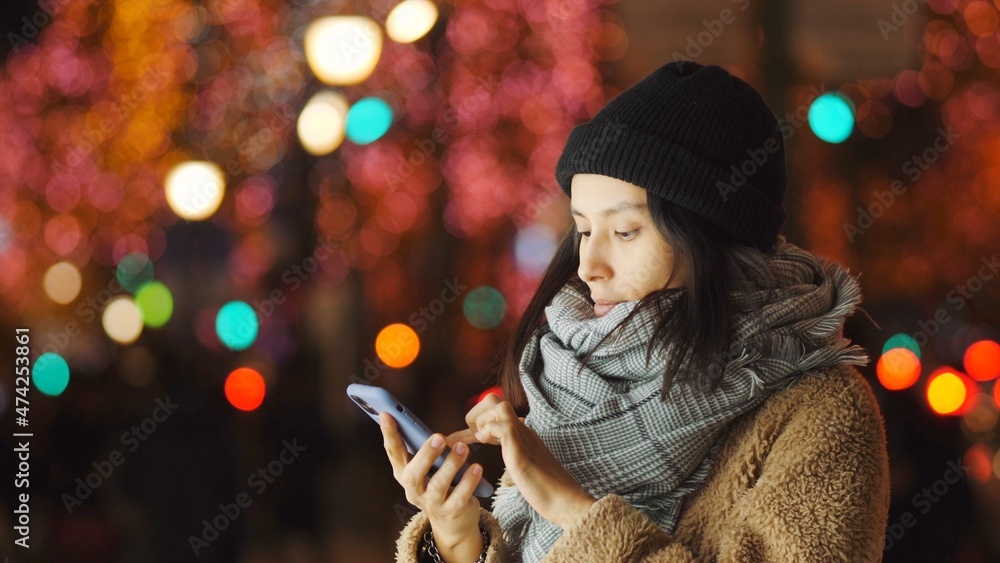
460,448
476,470
436,441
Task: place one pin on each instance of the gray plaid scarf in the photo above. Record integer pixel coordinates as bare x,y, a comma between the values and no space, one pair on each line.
607,425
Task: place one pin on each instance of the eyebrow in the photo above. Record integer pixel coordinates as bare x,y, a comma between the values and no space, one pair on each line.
623,205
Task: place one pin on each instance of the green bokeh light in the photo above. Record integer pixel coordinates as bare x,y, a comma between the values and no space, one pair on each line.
831,117
156,303
236,324
50,374
367,120
134,271
484,307
902,340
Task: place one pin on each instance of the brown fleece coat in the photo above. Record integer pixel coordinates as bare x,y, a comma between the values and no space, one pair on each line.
803,477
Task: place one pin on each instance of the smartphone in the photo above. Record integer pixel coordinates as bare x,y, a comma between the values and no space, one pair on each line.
374,400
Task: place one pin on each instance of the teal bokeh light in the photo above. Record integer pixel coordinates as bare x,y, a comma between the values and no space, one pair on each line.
50,374
831,117
236,325
484,307
367,120
134,271
902,340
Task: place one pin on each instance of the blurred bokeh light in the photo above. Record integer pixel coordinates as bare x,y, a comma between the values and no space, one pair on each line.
322,124
195,189
50,374
245,389
343,50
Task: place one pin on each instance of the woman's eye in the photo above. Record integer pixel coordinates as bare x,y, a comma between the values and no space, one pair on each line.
584,234
627,235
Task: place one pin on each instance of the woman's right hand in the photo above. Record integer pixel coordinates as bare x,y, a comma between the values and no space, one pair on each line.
453,515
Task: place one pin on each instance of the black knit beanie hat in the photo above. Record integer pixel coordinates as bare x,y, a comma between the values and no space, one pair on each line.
696,136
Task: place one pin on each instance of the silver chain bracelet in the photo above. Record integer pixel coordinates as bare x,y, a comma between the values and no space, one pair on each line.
436,555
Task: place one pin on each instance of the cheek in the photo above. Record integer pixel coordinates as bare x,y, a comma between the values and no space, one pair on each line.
648,269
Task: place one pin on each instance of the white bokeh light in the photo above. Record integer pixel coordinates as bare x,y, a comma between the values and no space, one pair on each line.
194,189
62,282
122,320
321,124
410,20
343,50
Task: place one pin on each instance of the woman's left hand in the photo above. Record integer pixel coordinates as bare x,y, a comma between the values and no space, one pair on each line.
545,484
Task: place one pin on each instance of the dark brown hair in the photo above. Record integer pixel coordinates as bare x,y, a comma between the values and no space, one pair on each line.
709,264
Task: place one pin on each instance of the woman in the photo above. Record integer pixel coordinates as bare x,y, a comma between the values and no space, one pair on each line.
679,388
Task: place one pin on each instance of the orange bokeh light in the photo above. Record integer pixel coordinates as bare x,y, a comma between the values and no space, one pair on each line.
981,17
979,459
245,389
982,360
397,345
898,368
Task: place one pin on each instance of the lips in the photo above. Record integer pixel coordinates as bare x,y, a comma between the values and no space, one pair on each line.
603,307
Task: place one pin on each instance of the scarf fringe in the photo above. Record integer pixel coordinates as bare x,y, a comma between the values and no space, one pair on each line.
847,300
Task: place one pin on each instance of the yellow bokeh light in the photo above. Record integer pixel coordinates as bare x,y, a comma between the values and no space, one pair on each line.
946,393
343,49
397,345
410,20
194,189
62,282
122,320
321,124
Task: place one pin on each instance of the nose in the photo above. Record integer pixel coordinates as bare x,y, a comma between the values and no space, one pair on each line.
593,260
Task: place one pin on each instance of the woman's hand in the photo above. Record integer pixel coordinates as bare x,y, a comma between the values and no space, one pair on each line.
454,515
545,484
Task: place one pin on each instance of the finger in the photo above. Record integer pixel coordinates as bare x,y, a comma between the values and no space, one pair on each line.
487,403
392,442
494,425
465,488
492,432
466,435
438,485
415,472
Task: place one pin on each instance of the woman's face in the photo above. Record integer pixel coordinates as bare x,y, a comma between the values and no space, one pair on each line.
622,255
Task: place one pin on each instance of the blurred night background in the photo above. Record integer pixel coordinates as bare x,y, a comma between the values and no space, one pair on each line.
216,215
